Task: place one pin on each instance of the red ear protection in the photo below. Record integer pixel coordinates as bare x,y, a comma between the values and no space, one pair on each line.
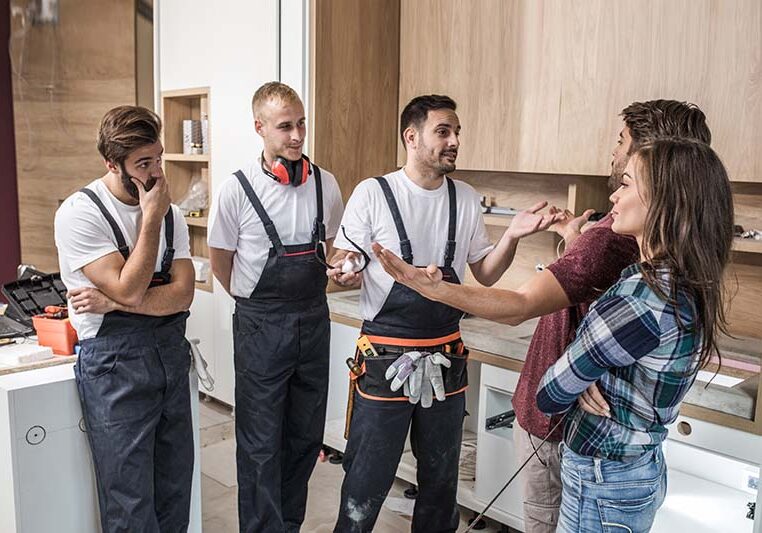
288,172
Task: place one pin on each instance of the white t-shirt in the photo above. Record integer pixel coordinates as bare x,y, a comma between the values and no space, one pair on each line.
83,235
235,226
426,215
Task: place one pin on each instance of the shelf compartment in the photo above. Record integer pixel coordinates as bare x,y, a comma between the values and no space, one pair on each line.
204,286
180,175
185,104
197,222
750,246
189,158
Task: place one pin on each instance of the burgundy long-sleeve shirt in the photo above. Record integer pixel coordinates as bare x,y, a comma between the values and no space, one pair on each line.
589,267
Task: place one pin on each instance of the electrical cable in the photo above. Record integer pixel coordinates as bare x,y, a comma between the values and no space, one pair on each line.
536,450
558,247
515,474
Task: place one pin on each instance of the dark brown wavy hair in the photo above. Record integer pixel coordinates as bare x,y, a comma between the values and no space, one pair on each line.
654,119
126,128
688,229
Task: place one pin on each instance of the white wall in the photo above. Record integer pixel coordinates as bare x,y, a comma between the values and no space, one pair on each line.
294,50
232,47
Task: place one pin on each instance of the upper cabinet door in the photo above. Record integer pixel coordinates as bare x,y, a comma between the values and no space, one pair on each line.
540,84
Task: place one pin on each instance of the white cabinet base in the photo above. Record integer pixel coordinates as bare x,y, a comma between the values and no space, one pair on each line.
698,499
46,474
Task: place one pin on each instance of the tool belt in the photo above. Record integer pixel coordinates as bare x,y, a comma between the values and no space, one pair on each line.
367,374
372,384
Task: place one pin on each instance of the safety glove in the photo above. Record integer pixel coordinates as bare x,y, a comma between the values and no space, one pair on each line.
401,369
414,384
433,382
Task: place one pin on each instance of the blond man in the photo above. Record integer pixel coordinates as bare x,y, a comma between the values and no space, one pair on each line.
270,226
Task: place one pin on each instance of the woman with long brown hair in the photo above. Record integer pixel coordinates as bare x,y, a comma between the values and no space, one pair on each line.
645,339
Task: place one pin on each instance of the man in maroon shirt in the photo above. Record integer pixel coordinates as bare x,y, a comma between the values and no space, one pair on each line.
561,294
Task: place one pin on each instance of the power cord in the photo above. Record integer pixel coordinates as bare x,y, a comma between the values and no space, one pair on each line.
544,440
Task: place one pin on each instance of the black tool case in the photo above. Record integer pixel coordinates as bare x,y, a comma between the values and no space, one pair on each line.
29,297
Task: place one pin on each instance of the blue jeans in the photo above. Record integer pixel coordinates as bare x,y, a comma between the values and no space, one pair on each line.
602,495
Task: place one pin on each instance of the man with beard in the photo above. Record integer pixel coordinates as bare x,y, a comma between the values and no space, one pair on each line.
562,293
269,227
124,255
426,217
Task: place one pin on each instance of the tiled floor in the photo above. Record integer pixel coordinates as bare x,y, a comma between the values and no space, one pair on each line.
219,491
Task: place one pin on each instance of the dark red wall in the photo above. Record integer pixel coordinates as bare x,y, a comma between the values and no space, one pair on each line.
10,246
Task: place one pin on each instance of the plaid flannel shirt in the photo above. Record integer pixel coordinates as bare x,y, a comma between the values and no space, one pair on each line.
644,359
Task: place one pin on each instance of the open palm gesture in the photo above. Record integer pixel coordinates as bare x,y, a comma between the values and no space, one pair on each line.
529,221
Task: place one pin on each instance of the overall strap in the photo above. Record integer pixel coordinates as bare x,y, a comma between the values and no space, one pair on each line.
318,228
121,244
405,248
272,233
450,248
169,237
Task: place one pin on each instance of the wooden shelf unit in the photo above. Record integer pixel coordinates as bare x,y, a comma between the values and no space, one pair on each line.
190,158
204,286
199,222
181,169
520,190
750,246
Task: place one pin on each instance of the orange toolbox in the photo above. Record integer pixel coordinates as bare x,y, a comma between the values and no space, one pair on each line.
55,330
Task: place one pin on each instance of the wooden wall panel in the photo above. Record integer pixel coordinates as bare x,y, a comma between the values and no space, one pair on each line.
355,77
471,52
747,202
540,83
144,82
66,76
539,248
744,282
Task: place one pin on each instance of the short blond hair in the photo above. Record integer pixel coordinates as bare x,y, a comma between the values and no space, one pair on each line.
270,91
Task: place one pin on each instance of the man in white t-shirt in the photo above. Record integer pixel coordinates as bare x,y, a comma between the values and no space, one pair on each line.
269,227
124,255
426,217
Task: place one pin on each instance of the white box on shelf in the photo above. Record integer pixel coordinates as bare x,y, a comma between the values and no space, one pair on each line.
205,135
187,136
202,268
